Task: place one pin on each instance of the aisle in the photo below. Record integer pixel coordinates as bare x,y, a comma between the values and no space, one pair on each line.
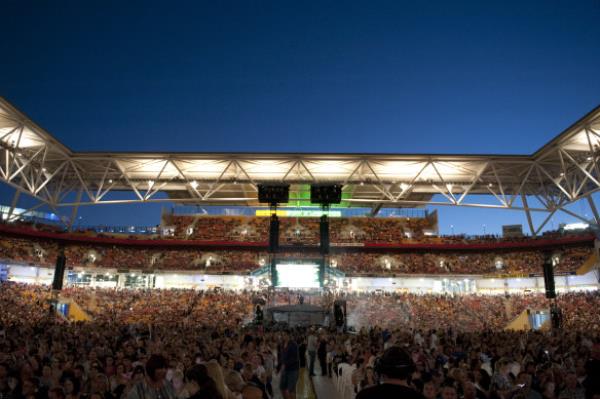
324,386
304,389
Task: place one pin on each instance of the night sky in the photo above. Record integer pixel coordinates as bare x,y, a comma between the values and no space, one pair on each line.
401,77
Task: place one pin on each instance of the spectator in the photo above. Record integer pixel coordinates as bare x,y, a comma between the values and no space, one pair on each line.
394,368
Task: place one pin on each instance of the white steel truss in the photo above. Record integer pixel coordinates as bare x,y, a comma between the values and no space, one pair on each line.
562,172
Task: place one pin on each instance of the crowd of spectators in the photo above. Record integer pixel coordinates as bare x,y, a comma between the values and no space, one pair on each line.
222,228
183,343
514,262
303,231
465,313
353,262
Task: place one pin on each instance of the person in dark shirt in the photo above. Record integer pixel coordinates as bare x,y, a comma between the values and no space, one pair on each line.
204,386
322,354
290,367
394,368
302,352
592,368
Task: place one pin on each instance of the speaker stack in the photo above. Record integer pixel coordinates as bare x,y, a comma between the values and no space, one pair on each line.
59,271
273,194
549,276
325,195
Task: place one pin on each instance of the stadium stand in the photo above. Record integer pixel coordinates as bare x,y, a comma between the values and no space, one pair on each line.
35,247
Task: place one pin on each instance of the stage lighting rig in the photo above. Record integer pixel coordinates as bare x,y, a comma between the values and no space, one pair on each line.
273,194
326,194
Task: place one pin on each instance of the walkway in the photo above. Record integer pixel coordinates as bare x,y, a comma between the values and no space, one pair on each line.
304,389
324,386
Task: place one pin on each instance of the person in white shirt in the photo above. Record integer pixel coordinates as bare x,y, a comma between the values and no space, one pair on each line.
311,348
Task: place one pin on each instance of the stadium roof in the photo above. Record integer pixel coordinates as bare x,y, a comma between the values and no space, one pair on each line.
562,171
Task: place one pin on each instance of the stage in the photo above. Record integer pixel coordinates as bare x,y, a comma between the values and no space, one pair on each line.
299,315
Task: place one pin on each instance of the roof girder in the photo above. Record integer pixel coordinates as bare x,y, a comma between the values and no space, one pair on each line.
564,170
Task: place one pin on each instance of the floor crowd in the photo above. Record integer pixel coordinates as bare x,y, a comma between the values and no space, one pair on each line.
164,344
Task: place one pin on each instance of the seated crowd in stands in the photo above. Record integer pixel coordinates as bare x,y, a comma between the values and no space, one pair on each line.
180,344
305,230
302,231
353,262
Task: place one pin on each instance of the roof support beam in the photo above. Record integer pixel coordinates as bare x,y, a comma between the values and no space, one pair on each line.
568,212
592,205
410,186
554,181
13,205
499,182
75,208
475,180
541,226
528,214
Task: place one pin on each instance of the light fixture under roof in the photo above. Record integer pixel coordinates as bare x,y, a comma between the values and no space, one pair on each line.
194,184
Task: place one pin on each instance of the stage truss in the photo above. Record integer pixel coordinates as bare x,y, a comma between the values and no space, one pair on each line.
562,172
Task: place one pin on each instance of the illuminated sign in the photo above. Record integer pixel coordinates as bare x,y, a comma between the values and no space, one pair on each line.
300,213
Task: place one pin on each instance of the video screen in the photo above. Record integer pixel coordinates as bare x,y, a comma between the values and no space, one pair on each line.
298,275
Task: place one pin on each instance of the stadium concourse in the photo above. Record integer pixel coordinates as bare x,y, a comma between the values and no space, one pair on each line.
185,309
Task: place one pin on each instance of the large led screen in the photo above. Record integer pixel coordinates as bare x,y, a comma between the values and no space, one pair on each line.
298,275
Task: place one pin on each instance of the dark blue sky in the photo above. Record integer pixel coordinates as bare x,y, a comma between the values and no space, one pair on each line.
405,77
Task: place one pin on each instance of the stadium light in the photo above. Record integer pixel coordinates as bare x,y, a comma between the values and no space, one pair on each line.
194,184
